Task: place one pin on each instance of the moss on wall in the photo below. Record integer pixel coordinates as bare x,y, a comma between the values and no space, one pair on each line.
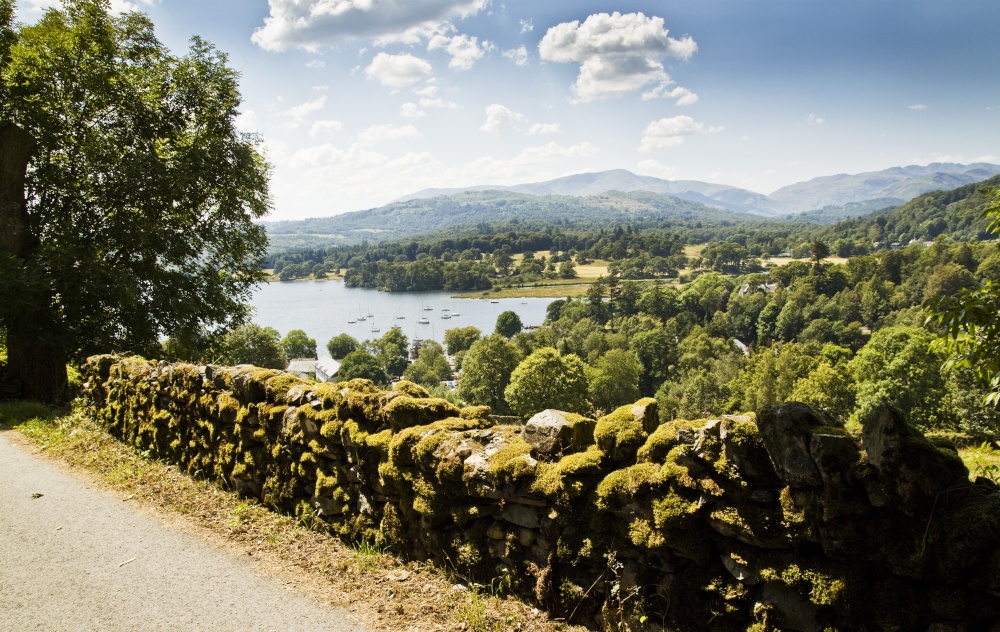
700,525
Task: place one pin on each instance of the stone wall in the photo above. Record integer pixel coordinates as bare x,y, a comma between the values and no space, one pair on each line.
780,520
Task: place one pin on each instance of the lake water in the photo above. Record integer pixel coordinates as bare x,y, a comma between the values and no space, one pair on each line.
324,309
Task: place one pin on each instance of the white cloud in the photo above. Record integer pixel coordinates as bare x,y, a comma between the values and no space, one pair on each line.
325,127
398,70
299,113
960,159
411,110
426,91
383,133
618,54
247,121
465,51
661,91
670,132
656,169
527,26
438,103
310,24
545,128
316,64
519,55
812,119
527,164
321,88
498,117
917,106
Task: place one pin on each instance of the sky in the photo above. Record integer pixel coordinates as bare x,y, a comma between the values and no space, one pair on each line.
360,102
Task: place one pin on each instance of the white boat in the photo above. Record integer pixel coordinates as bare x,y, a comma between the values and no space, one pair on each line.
424,321
445,316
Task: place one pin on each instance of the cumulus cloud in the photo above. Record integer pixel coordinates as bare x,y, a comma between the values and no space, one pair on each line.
670,132
656,169
545,128
355,175
415,110
519,55
388,132
324,127
465,51
499,117
960,159
299,113
310,24
316,64
618,54
527,26
917,106
528,163
398,70
812,119
411,110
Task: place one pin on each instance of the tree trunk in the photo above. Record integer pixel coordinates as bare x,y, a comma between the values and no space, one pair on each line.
38,364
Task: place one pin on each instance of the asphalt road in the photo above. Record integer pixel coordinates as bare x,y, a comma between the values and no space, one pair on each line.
74,558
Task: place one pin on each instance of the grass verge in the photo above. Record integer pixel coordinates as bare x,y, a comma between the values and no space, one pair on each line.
383,591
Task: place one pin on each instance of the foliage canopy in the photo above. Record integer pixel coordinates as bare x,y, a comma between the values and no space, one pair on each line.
140,193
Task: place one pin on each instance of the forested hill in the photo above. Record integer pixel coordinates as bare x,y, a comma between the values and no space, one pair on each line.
957,213
472,208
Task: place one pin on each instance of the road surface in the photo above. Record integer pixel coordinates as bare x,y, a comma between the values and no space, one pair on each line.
74,558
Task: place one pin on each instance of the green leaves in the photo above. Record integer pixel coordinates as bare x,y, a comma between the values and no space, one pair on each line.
142,192
968,323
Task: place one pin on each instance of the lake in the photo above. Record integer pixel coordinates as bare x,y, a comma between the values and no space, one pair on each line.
324,309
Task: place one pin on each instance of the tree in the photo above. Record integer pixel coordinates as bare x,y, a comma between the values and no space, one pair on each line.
546,379
826,388
508,324
135,219
898,367
298,344
431,367
614,380
486,372
392,351
253,344
968,324
461,338
341,345
361,364
818,251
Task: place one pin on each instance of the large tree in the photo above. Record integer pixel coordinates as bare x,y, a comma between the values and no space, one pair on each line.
486,372
546,379
128,195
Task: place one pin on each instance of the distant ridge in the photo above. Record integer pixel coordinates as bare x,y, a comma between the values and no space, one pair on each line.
897,183
622,196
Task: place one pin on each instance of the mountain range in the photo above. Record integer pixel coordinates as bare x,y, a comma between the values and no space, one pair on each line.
619,195
895,186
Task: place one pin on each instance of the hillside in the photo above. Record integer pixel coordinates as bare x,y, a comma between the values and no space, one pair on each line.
616,196
471,208
956,213
904,183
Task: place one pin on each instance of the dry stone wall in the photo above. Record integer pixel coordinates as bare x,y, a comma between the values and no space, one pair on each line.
780,520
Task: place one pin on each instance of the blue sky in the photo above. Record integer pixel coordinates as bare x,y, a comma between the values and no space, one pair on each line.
362,101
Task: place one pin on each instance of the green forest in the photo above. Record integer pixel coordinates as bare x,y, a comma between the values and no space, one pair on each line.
731,333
